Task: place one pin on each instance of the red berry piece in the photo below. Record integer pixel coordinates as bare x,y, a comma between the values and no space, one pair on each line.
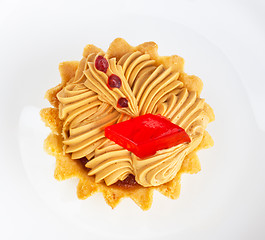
101,64
122,103
147,134
114,81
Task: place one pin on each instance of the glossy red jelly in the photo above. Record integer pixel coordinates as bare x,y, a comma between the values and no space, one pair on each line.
122,102
114,81
101,64
146,134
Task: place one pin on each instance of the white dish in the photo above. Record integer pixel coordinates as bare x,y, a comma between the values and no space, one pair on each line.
224,200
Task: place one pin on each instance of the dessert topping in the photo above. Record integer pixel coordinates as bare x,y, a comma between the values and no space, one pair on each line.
101,64
146,134
122,102
114,81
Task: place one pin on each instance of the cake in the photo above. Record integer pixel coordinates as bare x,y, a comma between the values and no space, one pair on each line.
118,89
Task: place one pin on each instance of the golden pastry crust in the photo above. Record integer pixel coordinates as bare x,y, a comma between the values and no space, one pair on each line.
68,168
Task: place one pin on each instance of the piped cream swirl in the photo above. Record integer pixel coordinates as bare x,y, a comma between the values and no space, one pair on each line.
97,81
87,106
111,163
85,118
185,110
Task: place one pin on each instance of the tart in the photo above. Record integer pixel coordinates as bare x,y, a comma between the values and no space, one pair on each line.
113,120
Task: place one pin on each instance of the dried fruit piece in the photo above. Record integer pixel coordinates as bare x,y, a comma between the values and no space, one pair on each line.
122,102
114,81
146,134
101,64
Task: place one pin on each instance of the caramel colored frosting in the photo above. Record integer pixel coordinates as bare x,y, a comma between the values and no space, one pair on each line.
87,106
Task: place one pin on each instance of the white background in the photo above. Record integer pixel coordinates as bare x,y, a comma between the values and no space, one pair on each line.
221,41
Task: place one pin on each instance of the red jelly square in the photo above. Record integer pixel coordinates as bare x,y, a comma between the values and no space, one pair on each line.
146,134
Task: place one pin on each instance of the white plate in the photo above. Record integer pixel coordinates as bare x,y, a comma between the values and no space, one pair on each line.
225,200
